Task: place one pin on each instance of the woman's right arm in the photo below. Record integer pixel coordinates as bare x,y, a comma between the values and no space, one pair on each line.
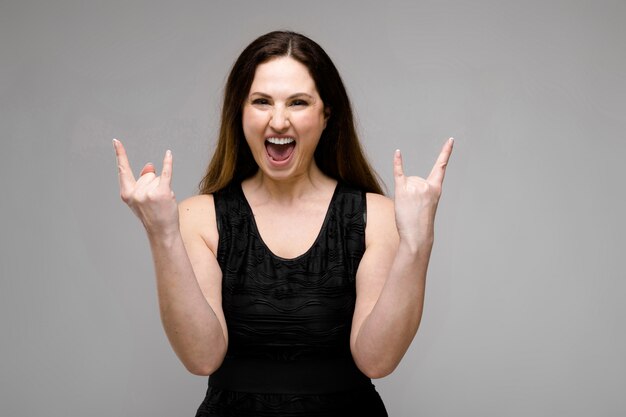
183,240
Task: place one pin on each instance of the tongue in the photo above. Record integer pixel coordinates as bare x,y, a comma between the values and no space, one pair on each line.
279,152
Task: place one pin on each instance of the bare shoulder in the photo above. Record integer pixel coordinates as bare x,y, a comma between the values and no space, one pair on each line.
381,219
377,203
197,217
196,204
198,209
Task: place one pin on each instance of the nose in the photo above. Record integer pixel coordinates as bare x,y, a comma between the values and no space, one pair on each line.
280,119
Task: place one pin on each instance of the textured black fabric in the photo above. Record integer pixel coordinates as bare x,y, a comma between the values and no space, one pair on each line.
223,403
290,319
285,376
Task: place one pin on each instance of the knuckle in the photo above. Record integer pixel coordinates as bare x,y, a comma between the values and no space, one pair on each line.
151,196
156,195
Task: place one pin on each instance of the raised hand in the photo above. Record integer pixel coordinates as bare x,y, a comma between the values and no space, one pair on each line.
150,197
416,198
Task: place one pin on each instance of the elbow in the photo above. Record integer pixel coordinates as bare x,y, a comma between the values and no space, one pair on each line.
376,374
202,369
375,365
378,370
203,363
204,366
375,368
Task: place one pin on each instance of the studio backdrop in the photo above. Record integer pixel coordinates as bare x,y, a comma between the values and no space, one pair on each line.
524,311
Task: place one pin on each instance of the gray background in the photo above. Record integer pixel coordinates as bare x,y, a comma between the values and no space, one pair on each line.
524,313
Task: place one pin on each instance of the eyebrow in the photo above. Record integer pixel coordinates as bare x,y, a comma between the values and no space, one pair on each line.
258,93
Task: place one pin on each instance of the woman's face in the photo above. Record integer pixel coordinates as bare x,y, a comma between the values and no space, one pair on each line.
283,118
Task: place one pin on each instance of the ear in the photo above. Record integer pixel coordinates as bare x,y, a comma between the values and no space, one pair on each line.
326,116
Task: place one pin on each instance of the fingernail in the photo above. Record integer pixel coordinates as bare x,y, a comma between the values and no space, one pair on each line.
451,140
168,153
115,143
397,152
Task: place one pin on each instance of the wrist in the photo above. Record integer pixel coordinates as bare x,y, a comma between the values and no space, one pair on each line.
416,245
163,237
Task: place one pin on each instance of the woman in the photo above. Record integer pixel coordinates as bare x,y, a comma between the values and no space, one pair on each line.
273,280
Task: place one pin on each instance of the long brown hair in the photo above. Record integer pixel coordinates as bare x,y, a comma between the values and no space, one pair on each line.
338,154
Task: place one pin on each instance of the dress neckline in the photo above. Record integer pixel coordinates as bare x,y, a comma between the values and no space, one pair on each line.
317,238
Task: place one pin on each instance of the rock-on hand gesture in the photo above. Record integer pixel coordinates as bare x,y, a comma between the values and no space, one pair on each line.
416,198
150,197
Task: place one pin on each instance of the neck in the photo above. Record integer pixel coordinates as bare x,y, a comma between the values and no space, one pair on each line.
288,190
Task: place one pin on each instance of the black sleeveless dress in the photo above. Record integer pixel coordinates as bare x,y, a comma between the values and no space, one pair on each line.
289,320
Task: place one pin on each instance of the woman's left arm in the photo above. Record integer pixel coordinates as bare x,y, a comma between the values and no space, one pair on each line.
392,274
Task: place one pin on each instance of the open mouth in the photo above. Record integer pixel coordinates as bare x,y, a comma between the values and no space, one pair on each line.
279,149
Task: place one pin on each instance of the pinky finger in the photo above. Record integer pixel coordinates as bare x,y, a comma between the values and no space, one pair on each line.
168,165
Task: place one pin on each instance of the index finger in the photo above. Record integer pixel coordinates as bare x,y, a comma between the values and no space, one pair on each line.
438,172
126,177
398,170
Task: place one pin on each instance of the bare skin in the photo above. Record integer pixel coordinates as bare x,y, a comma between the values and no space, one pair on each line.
289,200
392,274
188,276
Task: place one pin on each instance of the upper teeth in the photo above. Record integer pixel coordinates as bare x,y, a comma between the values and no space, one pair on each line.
280,141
